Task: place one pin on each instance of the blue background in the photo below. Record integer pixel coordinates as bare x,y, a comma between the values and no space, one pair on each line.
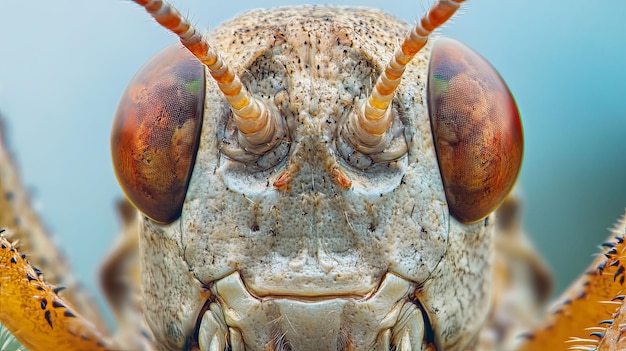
64,64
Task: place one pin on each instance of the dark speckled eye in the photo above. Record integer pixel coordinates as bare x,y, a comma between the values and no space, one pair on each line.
156,132
476,129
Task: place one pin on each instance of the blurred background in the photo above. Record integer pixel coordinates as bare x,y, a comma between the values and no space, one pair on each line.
64,65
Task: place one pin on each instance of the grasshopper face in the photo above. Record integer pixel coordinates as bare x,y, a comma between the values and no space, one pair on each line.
316,217
319,227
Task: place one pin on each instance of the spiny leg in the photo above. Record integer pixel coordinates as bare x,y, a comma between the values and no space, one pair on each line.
33,312
594,298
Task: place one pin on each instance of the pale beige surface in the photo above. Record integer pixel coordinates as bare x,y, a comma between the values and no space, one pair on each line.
317,242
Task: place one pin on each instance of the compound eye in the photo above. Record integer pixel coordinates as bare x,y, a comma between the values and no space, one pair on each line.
156,132
476,129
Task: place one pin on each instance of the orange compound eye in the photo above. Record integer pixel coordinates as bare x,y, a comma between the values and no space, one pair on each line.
476,129
156,132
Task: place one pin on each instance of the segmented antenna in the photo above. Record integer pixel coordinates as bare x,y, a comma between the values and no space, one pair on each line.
374,118
253,118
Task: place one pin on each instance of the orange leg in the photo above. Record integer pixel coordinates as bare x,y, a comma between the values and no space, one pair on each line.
588,314
33,312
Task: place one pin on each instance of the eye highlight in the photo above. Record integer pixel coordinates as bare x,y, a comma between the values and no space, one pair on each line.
476,129
156,132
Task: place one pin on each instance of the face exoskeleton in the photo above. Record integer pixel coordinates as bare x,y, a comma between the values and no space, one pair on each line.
320,196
